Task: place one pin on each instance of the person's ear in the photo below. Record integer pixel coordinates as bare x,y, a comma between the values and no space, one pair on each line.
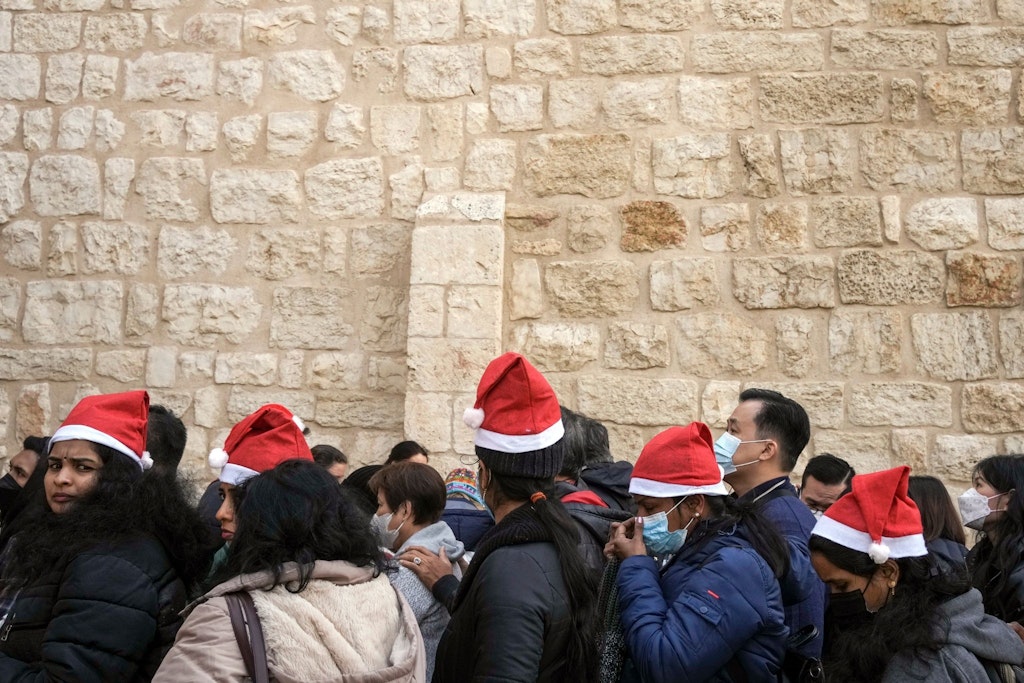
890,572
694,507
770,450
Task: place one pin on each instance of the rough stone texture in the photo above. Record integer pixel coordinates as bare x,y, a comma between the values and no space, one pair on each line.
654,402
307,318
518,107
725,227
13,169
63,76
718,401
816,161
56,365
823,401
254,196
1011,338
732,52
955,346
240,79
580,17
867,342
21,243
954,456
821,98
435,72
589,227
941,224
200,315
683,283
33,411
474,312
993,160
649,226
19,77
900,404
463,254
782,227
865,451
1005,219
313,75
903,105
64,185
242,402
73,312
490,165
794,345
637,54
121,248
785,282
971,99
636,346
168,186
290,134
45,32
908,160
590,165
898,12
346,188
557,347
720,344
986,46
747,14
10,304
889,277
693,166
592,288
527,292
659,15
453,365
487,18
186,251
124,366
760,165
574,103
982,280
846,222
382,324
715,103
632,104
858,49
180,76
993,407
276,254
543,57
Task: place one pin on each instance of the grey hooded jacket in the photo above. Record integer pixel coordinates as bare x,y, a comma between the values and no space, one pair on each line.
968,634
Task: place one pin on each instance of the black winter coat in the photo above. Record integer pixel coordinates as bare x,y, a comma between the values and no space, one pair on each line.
109,614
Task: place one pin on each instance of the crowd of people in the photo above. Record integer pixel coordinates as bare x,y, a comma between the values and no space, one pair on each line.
542,558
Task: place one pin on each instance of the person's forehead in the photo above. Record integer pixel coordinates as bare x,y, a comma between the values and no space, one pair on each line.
745,412
24,458
817,489
73,448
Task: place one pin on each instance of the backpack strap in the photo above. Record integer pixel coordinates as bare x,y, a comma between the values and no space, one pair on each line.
245,622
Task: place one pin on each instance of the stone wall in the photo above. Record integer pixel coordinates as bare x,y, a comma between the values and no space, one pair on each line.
350,208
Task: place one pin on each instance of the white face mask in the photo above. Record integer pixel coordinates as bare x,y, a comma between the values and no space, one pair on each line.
725,449
380,524
974,508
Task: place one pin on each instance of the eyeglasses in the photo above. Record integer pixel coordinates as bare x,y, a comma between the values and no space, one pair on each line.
469,460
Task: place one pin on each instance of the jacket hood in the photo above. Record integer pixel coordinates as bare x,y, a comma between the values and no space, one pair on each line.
981,634
434,537
595,519
610,481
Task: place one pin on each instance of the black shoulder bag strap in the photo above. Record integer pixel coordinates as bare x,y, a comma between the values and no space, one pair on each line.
250,641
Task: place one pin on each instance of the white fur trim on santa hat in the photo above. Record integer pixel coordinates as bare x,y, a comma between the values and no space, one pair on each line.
236,474
86,433
848,537
473,417
218,458
660,489
299,423
519,443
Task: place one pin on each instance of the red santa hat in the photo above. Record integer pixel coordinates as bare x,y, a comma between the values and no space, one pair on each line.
260,442
877,517
679,461
517,415
115,420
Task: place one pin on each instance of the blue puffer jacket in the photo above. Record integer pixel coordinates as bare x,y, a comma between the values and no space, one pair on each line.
706,608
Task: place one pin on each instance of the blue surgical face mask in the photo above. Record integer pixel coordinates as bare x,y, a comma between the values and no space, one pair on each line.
725,449
658,539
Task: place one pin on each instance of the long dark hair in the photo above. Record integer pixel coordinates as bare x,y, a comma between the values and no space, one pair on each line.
124,504
938,515
297,512
906,623
725,513
998,551
580,583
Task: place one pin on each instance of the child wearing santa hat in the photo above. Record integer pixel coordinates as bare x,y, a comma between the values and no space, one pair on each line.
97,571
894,614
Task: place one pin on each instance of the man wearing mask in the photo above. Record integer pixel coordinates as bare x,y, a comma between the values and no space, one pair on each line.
21,467
764,437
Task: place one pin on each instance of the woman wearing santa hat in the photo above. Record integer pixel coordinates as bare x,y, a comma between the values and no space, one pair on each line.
709,608
96,576
891,616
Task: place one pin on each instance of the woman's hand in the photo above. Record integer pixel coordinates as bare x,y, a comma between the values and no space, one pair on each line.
626,539
430,568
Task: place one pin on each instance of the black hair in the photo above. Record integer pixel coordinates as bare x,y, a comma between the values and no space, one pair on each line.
596,436
996,555
403,450
829,470
358,485
124,504
36,444
296,512
574,445
783,420
907,622
580,582
938,515
326,455
165,438
725,513
415,482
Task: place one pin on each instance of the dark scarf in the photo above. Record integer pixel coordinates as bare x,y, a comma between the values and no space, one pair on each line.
518,527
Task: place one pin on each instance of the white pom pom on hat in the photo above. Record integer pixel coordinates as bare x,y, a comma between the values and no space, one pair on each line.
218,458
878,552
473,417
146,460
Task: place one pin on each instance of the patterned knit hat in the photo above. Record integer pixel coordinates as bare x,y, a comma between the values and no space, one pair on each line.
679,461
517,418
260,442
877,517
462,481
115,420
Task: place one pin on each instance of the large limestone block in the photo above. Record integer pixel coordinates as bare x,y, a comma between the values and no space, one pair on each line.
457,255
901,404
386,374
739,51
993,407
345,126
382,324
1010,10
986,46
395,129
346,188
629,401
20,77
63,185
313,75
580,17
377,249
782,227
242,402
907,160
650,226
491,165
427,311
407,186
795,344
575,102
823,401
121,248
865,451
748,14
518,107
474,312
118,173
85,312
859,49
426,21
886,278
955,455
169,187
718,401
940,224
635,54
784,282
33,410
846,222
720,344
695,166
903,100
684,283
240,79
57,365
1011,342
448,365
1005,219
37,129
971,98
821,98
867,342
815,13
182,252
955,346
46,31
21,243
291,134
543,58
659,15
202,315
61,259
589,227
429,420
99,77
258,369
557,347
441,72
816,160
124,366
635,104
143,310
276,254
993,160
180,76
982,280
715,103
591,165
582,289
13,170
489,18
309,318
760,165
636,346
279,26
900,12
725,227
254,196
10,304
526,298
63,76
